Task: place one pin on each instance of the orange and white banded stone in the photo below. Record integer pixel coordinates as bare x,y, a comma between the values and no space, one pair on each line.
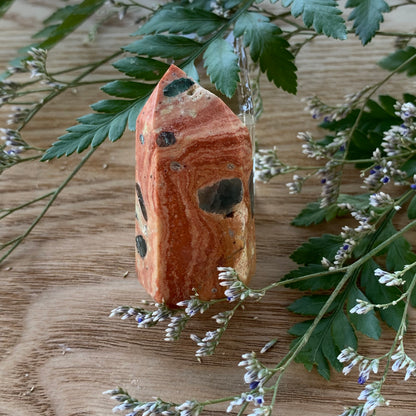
194,192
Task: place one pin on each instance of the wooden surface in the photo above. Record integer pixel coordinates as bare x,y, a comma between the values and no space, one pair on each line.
58,349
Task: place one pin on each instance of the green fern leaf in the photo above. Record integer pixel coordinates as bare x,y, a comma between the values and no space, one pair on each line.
322,15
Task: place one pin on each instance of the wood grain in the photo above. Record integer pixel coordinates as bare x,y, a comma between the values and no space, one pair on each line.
58,348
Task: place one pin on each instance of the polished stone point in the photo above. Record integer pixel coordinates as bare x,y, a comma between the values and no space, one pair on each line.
194,192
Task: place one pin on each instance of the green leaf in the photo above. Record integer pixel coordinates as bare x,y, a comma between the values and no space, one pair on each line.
276,61
46,32
58,25
411,210
367,16
69,18
134,112
99,136
310,305
222,66
229,4
117,127
127,89
322,15
60,14
311,214
399,254
317,247
94,128
269,49
4,6
255,29
191,71
342,331
110,106
316,283
178,19
358,202
164,46
369,132
399,58
378,293
409,167
314,214
141,68
330,336
365,323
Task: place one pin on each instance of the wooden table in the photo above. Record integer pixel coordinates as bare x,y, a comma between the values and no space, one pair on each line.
58,349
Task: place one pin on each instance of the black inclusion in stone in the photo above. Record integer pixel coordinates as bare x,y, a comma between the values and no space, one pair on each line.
141,246
165,139
251,190
178,86
141,201
221,197
141,137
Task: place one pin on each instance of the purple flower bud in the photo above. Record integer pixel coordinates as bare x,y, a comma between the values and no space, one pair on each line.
254,385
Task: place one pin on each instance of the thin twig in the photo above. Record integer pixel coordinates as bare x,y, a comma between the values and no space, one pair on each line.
55,194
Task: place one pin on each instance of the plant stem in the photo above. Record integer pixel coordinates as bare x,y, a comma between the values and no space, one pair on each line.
11,210
402,328
55,194
72,84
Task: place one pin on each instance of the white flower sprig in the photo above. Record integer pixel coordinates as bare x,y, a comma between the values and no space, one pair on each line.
256,373
366,365
235,288
403,361
144,318
267,165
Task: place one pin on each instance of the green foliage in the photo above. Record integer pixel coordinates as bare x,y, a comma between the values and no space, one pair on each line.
280,70
310,305
110,121
367,323
220,61
378,293
57,26
268,48
178,19
369,131
323,15
403,60
316,248
4,6
164,46
222,66
337,329
411,209
327,339
322,280
142,68
313,213
332,334
367,16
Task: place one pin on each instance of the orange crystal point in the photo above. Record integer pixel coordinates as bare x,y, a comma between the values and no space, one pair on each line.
194,192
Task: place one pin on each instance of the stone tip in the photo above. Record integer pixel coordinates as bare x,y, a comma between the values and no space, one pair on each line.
172,73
